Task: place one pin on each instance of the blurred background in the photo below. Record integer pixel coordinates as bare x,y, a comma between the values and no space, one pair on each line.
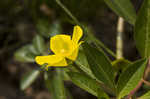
22,20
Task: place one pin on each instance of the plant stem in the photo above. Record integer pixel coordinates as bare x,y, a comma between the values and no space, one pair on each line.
77,22
67,11
135,89
99,43
146,82
119,42
147,70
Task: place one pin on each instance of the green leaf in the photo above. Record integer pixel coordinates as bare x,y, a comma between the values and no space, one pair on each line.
33,50
82,63
25,54
66,77
28,79
100,65
123,8
145,96
39,43
47,80
46,29
102,95
55,28
130,78
57,85
142,30
86,83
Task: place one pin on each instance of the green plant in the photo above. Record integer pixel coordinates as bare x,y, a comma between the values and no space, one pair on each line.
93,71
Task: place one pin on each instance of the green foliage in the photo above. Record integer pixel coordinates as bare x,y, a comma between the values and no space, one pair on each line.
93,71
82,63
28,52
88,84
102,95
39,44
100,65
48,29
91,8
120,64
25,54
47,80
29,78
56,85
90,38
123,8
145,96
130,78
55,28
142,30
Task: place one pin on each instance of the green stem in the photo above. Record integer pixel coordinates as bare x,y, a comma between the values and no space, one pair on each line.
99,43
147,70
67,11
95,40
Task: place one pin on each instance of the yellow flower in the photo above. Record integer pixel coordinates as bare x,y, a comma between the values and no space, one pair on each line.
63,47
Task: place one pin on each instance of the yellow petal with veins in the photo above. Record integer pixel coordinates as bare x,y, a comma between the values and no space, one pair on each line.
51,60
61,45
77,34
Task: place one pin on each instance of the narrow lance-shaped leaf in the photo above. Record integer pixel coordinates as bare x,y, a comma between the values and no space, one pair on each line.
57,88
102,95
88,84
33,50
28,79
142,30
82,63
123,8
47,80
100,65
130,78
25,54
39,44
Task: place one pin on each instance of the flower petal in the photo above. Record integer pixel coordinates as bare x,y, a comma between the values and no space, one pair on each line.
61,63
61,44
51,60
77,34
74,54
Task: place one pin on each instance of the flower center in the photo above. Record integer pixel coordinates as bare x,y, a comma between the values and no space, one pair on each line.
65,49
62,45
